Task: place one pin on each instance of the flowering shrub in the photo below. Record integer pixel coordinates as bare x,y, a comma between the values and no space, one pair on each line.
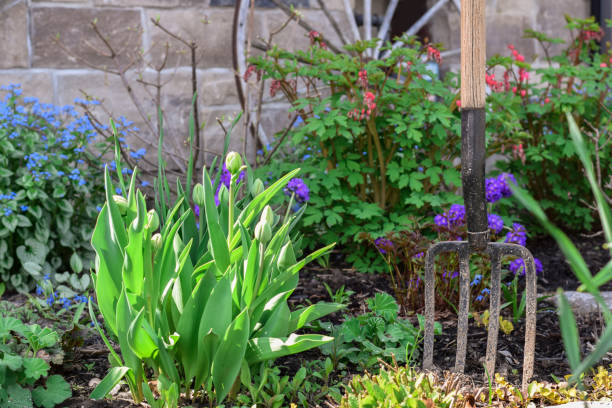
375,139
48,193
525,119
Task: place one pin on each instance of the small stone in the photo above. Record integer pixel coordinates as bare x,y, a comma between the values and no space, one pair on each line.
584,304
94,382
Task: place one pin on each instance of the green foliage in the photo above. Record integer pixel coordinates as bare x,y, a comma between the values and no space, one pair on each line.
21,369
526,119
48,193
589,282
309,386
380,144
204,301
378,334
398,386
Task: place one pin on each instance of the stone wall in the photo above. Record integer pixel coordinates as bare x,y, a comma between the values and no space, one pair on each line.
50,48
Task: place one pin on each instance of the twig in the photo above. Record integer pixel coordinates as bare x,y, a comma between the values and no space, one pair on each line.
333,21
280,141
306,26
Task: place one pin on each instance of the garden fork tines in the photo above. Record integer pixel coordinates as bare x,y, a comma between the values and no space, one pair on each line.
473,155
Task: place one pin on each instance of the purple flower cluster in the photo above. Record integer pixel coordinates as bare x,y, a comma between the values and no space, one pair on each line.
496,224
225,180
505,187
299,188
498,187
493,190
518,266
454,217
383,245
450,275
518,235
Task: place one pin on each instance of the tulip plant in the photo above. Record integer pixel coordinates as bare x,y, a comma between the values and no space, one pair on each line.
195,307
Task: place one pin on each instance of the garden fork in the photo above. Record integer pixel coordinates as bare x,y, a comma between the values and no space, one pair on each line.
473,155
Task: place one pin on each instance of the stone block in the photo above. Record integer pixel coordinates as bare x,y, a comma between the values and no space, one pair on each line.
522,7
147,3
262,3
508,29
73,26
551,19
14,34
33,83
217,87
87,2
584,304
211,29
275,118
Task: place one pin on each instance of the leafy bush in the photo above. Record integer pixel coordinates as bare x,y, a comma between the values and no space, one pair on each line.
376,139
21,368
48,194
198,304
526,120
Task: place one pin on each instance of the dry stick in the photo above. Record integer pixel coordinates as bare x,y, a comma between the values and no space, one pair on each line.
124,80
306,26
247,96
194,82
260,91
280,141
333,21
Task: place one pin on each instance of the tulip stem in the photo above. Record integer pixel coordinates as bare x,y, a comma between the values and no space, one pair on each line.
230,212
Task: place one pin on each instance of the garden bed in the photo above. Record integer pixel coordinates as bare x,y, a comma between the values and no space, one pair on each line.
89,362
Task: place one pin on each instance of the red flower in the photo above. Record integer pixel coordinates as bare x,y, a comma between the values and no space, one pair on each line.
363,78
249,71
274,87
434,54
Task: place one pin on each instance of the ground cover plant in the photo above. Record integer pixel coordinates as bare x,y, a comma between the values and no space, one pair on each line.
24,379
50,157
48,193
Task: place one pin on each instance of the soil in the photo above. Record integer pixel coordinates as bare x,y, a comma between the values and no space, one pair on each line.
550,356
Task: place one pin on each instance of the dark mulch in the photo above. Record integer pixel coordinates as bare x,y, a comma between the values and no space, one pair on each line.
550,356
557,272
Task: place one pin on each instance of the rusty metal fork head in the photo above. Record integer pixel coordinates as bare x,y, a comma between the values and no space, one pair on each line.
496,252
